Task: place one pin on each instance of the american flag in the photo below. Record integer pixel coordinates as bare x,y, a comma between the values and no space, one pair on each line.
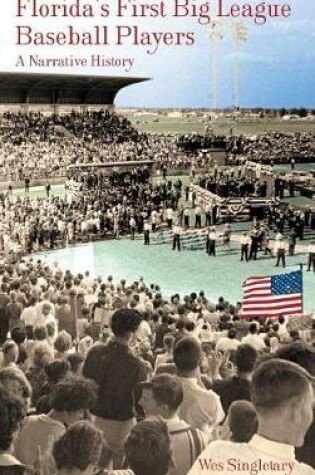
272,296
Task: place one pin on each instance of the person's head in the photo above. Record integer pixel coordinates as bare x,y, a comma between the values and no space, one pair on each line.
125,323
79,449
63,342
245,357
72,397
16,382
148,448
10,352
190,326
40,333
187,356
57,370
242,421
299,353
43,355
275,327
253,328
161,396
232,334
18,335
180,325
12,413
46,308
282,395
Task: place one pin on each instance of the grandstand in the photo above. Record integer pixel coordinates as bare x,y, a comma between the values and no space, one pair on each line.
30,90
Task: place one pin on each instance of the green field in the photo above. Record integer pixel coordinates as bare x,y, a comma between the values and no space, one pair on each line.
158,124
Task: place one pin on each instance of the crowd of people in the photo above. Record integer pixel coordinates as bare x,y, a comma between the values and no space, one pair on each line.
269,148
112,378
38,146
275,147
227,185
196,142
35,145
108,377
33,224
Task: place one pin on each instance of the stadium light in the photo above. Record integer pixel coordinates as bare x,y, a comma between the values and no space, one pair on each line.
239,35
215,33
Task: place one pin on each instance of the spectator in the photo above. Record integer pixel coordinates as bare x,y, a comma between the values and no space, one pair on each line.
69,401
167,355
148,448
12,413
10,354
78,450
162,396
201,408
228,343
237,387
242,421
42,356
282,396
15,381
303,355
253,339
117,374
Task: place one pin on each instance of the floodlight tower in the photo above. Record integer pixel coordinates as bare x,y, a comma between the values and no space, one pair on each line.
239,35
215,33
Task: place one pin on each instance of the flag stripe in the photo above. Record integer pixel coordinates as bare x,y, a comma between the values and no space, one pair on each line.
275,299
256,294
260,285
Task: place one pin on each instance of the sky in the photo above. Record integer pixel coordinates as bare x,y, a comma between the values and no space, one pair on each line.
276,63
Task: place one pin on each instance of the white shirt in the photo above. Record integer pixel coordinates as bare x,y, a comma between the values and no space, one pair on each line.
28,316
144,331
280,245
201,408
177,230
169,213
259,455
36,432
227,344
255,341
245,240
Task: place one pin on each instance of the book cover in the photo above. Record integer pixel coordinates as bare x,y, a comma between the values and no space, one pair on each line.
173,59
